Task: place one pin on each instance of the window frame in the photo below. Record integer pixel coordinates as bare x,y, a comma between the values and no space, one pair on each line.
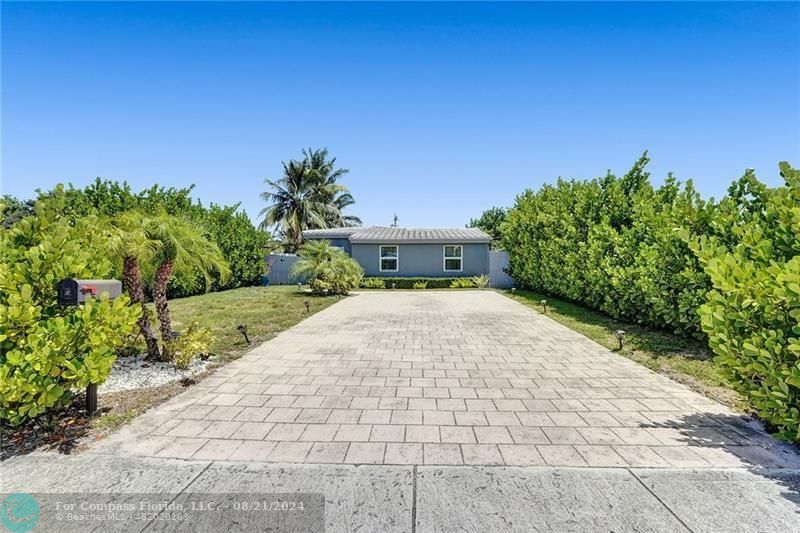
396,257
460,258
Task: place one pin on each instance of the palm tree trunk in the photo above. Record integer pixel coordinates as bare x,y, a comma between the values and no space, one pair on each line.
163,274
132,278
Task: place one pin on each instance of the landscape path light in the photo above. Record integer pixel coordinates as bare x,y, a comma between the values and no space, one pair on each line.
544,306
513,291
308,307
620,335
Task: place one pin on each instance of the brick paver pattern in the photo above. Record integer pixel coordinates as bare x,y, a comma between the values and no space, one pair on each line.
446,377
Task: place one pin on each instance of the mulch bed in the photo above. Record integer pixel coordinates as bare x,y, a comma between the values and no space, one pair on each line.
70,429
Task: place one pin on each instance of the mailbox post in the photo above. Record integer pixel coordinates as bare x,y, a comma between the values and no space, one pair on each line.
75,292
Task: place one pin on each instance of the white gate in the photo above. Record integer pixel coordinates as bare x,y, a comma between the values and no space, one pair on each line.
498,266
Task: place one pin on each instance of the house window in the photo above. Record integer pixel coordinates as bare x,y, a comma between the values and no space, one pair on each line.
389,260
452,258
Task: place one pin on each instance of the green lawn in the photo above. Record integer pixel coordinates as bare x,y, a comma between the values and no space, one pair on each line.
265,310
683,359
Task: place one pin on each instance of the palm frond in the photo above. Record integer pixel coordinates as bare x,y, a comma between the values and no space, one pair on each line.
306,196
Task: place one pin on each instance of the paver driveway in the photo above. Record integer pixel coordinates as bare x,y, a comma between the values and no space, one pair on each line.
449,377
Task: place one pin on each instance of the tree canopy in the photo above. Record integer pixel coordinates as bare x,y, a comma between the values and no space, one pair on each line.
307,196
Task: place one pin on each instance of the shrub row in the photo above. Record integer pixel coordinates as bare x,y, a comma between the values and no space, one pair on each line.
243,245
408,283
610,244
666,258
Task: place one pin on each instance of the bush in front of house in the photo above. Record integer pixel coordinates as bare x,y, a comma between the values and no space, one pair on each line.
328,269
480,282
409,283
48,352
752,316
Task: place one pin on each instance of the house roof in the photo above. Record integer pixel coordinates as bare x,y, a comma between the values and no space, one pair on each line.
384,235
381,234
330,233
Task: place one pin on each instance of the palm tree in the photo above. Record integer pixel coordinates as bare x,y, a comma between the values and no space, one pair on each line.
181,246
132,245
326,172
307,196
298,202
341,201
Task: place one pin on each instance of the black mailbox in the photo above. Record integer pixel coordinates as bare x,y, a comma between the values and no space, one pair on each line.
75,291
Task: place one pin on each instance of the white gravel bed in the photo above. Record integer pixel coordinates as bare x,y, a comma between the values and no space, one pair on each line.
134,372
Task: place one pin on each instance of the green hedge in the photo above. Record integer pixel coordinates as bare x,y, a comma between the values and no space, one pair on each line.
611,244
243,246
752,316
728,272
408,283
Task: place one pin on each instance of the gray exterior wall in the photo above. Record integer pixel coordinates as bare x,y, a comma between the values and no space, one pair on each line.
423,260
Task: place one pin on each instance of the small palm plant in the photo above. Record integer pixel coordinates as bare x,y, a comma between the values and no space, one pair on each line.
328,269
481,281
181,246
131,244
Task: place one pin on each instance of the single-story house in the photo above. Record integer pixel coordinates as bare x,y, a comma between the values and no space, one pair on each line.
401,252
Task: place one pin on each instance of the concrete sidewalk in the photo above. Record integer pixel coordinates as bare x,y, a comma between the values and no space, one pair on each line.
438,498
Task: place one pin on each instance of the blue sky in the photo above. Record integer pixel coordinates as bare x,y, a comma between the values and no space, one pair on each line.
438,110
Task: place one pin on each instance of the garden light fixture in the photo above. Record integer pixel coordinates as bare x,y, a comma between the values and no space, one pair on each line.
513,291
299,286
544,306
394,285
243,330
620,335
308,307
